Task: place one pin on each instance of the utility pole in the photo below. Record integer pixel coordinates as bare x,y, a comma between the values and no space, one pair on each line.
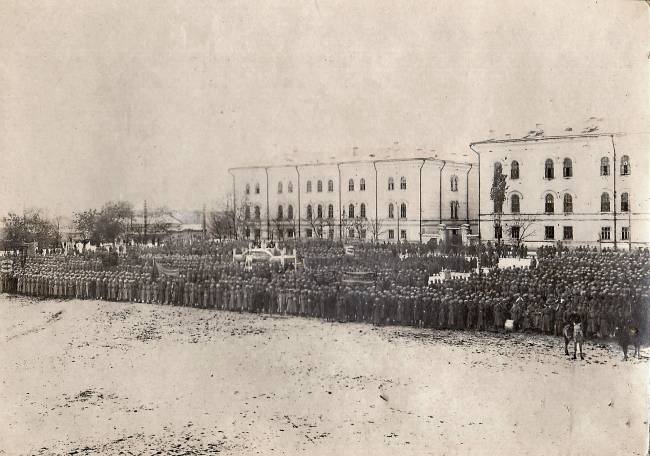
145,222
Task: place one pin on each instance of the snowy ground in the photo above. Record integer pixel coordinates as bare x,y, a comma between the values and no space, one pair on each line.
89,377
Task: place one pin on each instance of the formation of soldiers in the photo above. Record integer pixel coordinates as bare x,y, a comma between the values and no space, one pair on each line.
603,290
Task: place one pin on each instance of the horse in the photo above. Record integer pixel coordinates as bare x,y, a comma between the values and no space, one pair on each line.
573,331
628,335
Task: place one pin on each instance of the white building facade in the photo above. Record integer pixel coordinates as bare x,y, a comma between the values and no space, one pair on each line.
411,200
581,190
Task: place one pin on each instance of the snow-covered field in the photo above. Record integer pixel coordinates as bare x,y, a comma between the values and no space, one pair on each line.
90,377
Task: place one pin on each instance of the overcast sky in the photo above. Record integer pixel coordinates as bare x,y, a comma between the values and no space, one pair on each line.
102,100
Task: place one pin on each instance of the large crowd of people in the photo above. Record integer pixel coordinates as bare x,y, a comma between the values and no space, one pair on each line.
603,290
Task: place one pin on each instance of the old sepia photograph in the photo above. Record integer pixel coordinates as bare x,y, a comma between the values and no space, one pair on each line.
324,227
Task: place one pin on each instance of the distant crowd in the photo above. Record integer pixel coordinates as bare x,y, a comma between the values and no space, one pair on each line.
603,290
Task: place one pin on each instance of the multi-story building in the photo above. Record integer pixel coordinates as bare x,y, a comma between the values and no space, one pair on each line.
581,190
412,199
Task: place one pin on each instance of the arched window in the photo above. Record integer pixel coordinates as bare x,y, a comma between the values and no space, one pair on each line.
248,189
290,212
454,210
308,186
257,189
290,187
402,210
549,204
454,183
604,166
362,211
568,203
330,185
604,202
310,213
498,168
319,186
319,211
514,170
279,187
625,165
247,213
391,211
567,168
280,212
257,212
402,183
330,211
391,184
351,211
625,202
548,169
362,184
514,204
351,185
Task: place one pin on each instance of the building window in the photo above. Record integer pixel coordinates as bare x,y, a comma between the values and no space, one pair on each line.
568,233
604,202
391,184
625,165
309,232
568,203
402,210
247,232
604,166
498,232
549,232
514,232
308,186
280,212
567,168
362,233
351,211
319,186
403,235
548,169
351,185
330,234
498,169
514,204
362,184
247,213
330,211
257,189
248,189
391,211
351,233
625,202
625,233
257,212
319,232
319,211
402,183
279,187
362,210
310,212
605,233
514,170
549,204
391,234
454,183
258,233
289,233
454,210
330,185
290,212
290,187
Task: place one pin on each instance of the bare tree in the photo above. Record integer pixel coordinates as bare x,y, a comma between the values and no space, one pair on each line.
498,195
376,228
526,224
